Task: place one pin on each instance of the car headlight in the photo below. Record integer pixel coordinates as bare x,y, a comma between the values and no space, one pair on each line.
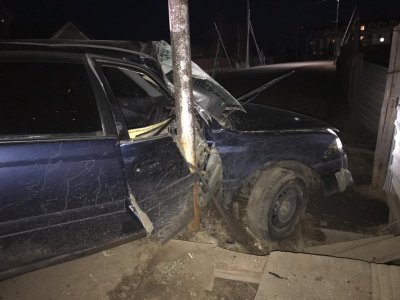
338,144
335,149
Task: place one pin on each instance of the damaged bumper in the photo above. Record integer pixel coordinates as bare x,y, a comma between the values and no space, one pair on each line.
344,179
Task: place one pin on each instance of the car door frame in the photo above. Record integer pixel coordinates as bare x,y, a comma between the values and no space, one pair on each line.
185,182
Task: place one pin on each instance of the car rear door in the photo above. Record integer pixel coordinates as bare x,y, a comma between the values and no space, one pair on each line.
62,187
157,174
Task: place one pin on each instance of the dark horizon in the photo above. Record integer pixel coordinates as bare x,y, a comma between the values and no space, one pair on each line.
148,20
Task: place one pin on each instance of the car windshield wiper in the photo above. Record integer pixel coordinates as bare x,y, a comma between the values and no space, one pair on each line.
254,93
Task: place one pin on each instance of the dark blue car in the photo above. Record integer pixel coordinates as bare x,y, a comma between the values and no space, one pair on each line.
88,156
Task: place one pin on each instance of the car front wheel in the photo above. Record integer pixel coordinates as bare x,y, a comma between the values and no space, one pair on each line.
276,203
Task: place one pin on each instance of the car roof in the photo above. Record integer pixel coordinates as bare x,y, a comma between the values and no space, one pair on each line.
141,53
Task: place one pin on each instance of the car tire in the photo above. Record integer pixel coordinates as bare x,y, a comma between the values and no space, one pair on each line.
276,203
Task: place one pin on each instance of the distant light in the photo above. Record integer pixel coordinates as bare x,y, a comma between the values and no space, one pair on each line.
296,119
361,37
362,28
382,39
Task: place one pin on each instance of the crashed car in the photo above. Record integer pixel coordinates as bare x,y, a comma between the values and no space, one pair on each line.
89,157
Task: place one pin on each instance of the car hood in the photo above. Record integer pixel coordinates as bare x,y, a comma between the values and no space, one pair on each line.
266,118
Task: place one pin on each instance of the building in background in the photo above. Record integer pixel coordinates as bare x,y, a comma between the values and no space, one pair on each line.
376,32
374,40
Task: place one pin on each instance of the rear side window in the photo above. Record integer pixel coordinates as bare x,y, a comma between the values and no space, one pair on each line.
39,98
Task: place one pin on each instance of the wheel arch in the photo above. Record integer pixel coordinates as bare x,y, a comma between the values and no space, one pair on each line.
311,178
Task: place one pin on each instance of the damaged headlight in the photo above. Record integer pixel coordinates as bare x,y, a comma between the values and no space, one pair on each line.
335,149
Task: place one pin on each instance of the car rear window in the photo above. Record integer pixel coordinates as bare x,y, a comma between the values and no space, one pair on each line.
41,98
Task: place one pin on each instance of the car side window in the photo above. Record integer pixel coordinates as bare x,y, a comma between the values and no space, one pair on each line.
144,106
45,98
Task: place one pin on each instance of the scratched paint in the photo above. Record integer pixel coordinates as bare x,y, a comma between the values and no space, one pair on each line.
41,178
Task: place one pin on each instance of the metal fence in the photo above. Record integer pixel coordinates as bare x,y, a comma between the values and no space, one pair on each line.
368,93
387,152
393,177
392,181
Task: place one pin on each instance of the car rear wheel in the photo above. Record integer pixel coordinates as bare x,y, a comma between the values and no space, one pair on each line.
276,203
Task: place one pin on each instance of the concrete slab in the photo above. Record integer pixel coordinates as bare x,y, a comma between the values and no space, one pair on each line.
379,249
304,276
385,282
338,236
213,262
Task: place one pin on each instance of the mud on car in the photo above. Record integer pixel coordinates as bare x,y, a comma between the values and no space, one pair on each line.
89,157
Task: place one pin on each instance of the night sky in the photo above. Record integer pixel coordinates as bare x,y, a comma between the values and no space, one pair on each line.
148,19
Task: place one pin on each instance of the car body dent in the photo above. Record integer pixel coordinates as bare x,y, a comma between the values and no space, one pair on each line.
276,135
344,179
260,118
154,167
158,176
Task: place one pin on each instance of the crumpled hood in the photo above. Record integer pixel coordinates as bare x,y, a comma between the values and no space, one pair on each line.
265,118
208,93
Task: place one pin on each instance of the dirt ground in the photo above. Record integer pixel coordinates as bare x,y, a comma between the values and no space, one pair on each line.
180,273
143,270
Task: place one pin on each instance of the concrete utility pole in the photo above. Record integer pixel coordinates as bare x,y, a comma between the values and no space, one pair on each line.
255,43
182,68
248,34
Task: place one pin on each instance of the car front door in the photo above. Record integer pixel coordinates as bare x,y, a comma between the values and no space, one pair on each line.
157,174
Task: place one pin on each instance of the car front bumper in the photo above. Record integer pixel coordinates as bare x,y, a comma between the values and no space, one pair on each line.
344,179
